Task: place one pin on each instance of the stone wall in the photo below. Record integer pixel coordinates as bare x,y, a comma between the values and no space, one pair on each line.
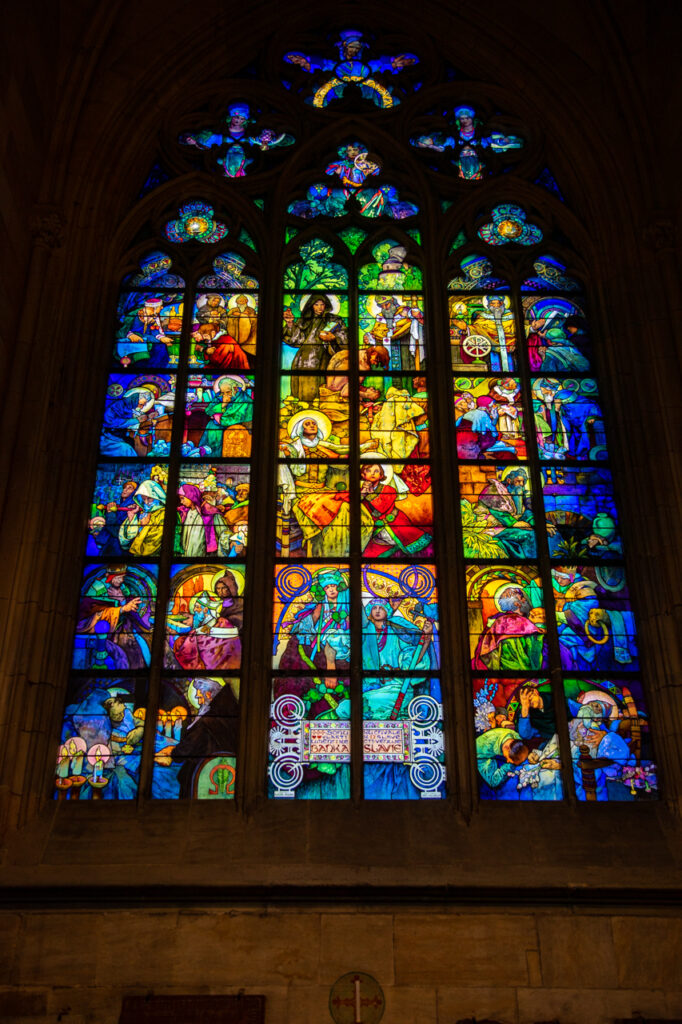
442,965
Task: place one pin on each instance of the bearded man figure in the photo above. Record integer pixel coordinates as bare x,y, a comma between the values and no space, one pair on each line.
511,640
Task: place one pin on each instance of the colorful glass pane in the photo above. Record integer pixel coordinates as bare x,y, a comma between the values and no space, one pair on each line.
196,739
352,237
400,618
235,143
497,517
323,200
148,333
391,270
550,273
218,415
229,273
313,512
314,332
608,727
506,618
394,417
509,223
205,617
127,510
396,510
196,222
489,418
311,618
465,147
310,741
517,745
595,621
316,270
138,415
402,738
224,331
476,272
352,65
394,322
307,432
482,333
100,747
213,505
568,420
154,272
115,617
556,335
581,513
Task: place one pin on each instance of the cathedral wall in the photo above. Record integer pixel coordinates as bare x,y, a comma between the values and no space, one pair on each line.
445,964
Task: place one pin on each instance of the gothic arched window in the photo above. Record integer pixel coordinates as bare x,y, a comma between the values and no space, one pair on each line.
353,500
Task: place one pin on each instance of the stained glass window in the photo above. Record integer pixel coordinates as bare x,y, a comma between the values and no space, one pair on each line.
142,556
313,357
354,485
545,583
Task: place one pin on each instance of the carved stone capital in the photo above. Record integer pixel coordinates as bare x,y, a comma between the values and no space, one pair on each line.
47,226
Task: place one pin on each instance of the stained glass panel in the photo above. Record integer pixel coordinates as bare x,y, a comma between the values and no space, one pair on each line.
466,143
218,415
197,738
127,511
213,510
482,333
506,618
569,425
311,618
314,331
313,518
309,751
394,416
149,325
608,726
595,621
556,335
402,739
517,745
400,613
224,331
496,511
100,747
489,418
582,521
205,618
115,617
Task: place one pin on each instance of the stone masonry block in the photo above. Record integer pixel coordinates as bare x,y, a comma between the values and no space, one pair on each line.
577,952
360,942
237,948
463,949
648,951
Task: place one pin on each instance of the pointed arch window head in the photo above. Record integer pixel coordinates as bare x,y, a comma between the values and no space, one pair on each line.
368,409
